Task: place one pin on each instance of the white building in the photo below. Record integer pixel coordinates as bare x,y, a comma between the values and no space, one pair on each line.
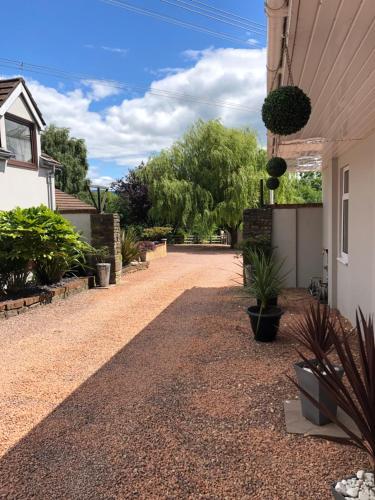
27,177
331,47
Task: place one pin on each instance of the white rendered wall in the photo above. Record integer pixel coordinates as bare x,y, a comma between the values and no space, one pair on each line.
297,236
352,284
82,223
21,187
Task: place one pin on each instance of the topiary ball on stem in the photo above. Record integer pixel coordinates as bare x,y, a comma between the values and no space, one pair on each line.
276,166
272,183
286,110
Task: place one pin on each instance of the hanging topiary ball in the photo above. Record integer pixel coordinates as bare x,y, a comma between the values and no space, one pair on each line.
272,183
276,167
286,110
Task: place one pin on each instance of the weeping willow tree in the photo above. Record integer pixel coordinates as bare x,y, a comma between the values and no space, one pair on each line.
207,178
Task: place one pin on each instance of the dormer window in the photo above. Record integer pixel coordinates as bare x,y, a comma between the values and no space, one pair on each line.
20,140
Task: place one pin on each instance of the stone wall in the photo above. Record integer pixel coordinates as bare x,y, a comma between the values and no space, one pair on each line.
105,231
159,251
257,223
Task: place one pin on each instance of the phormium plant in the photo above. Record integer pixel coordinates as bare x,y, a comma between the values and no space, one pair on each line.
314,330
357,397
129,245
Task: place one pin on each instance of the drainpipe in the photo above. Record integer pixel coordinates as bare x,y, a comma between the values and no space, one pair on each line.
277,11
50,176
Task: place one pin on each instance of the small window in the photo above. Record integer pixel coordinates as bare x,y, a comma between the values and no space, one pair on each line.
19,139
345,214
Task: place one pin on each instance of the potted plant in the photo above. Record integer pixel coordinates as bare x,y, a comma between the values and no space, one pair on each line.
314,331
266,284
103,268
260,244
356,397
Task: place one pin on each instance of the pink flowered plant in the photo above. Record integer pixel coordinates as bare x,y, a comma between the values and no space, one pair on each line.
146,246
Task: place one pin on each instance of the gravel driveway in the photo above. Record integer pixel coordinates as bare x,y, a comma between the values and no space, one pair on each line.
155,389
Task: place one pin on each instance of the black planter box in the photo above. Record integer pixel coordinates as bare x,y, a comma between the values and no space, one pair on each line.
265,325
312,385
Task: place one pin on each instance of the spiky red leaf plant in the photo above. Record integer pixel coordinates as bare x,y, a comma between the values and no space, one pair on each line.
314,330
357,400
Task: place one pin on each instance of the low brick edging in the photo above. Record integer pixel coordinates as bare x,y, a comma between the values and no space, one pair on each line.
9,308
133,268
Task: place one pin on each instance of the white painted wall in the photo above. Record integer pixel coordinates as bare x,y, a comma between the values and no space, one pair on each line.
20,187
352,284
82,223
19,108
297,236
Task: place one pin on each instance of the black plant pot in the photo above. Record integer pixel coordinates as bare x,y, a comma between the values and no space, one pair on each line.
265,324
270,302
313,386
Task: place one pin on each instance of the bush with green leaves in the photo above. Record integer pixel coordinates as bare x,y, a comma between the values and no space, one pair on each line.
40,239
257,245
156,233
129,245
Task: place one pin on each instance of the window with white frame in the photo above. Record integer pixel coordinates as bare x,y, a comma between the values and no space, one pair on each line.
345,214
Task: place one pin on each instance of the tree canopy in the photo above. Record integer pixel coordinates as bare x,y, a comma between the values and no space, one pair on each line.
71,153
133,193
207,178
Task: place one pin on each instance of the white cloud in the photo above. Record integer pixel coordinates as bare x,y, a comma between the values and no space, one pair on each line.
138,127
100,89
115,50
97,179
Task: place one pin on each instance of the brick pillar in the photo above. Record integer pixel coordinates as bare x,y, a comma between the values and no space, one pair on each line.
257,223
105,231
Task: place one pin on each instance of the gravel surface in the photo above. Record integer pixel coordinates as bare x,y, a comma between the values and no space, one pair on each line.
156,389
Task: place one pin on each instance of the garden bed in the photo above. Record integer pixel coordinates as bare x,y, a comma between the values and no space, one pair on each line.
152,250
134,267
37,296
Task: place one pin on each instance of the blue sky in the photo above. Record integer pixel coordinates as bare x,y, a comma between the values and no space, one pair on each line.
92,38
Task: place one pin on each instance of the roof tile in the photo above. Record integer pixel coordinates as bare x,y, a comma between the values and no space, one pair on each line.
69,204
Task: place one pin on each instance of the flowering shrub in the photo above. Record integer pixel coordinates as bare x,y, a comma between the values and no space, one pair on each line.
145,246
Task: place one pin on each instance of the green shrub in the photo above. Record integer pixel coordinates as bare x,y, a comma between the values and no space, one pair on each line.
129,245
178,236
258,245
40,238
156,233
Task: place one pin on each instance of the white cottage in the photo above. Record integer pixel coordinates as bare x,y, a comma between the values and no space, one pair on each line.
331,49
27,176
